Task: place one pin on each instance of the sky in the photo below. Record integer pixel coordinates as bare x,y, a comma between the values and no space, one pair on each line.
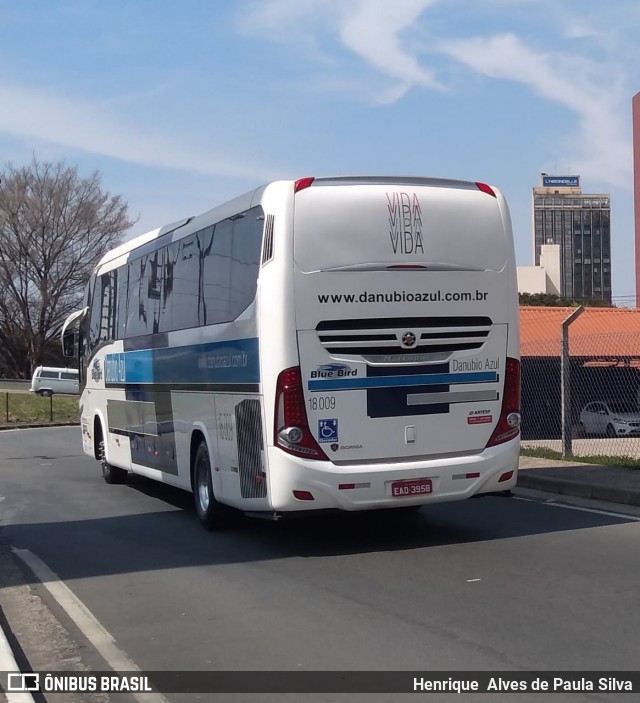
183,105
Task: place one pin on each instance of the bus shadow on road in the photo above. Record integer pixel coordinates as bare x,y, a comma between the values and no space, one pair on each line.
171,537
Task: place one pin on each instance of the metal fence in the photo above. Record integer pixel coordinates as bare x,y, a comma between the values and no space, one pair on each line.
24,408
593,408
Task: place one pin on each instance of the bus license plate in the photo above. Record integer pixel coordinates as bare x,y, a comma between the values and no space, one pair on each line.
406,489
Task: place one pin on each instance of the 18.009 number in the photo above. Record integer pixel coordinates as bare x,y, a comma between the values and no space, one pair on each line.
322,402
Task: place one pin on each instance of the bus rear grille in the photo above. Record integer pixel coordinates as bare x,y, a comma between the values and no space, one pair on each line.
403,336
253,482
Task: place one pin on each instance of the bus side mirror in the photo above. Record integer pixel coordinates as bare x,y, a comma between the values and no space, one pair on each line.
72,332
69,343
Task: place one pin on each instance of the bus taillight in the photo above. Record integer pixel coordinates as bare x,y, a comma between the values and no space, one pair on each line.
303,183
508,426
292,433
486,189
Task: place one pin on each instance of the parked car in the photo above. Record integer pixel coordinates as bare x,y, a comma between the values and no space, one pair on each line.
610,418
48,380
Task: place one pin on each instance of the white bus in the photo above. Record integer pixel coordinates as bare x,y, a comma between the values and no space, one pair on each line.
327,343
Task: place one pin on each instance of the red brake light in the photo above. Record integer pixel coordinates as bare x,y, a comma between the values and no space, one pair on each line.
291,429
303,183
486,189
508,426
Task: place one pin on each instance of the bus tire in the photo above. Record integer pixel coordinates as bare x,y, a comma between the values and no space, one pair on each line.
111,474
45,393
212,514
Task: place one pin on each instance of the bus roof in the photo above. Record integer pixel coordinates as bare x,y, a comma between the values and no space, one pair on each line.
220,212
245,201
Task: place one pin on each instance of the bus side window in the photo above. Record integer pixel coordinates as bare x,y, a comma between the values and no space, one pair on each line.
102,310
121,302
245,260
137,313
184,308
94,318
216,276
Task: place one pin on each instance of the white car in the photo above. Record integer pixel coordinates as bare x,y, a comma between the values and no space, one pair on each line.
610,418
48,380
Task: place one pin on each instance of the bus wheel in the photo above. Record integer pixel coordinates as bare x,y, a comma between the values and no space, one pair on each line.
111,474
45,393
212,514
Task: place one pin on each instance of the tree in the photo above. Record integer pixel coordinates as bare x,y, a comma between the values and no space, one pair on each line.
552,300
54,228
545,299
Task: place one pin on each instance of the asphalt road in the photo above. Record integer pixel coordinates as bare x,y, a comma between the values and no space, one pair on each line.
491,584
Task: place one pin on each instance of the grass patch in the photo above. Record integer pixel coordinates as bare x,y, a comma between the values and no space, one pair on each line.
545,453
28,408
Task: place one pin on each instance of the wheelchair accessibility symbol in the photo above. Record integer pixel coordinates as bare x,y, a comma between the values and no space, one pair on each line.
327,430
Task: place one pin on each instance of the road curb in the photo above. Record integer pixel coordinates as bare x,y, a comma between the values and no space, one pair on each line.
34,426
9,665
579,489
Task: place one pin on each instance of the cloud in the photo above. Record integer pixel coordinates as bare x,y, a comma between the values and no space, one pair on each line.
89,127
602,149
375,31
280,15
383,35
579,29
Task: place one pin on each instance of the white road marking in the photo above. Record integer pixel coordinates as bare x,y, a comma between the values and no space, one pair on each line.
473,580
555,504
8,665
88,624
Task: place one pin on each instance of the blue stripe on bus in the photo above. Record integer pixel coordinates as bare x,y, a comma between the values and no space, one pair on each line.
346,384
233,361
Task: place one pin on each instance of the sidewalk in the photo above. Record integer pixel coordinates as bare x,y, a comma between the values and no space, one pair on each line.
613,484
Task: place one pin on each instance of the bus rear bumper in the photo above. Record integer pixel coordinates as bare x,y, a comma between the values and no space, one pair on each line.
302,485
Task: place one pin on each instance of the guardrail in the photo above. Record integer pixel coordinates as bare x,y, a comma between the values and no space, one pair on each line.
14,385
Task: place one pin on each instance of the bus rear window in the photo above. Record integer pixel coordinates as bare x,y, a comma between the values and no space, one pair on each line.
386,224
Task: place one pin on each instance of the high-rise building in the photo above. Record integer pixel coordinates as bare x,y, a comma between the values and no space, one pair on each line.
581,225
635,104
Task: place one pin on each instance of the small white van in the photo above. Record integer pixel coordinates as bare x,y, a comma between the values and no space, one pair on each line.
48,380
